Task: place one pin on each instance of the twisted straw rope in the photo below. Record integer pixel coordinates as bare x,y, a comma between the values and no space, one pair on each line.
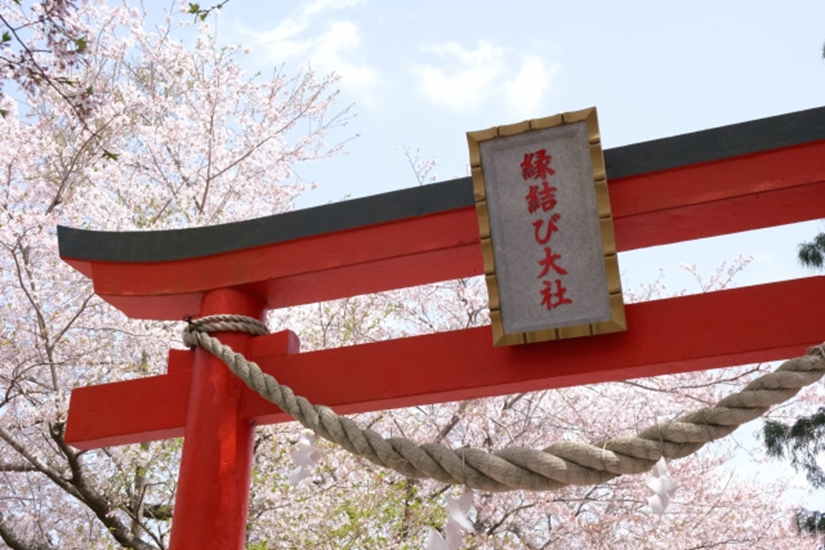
512,468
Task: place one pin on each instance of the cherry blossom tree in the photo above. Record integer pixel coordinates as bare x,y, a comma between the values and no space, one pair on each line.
180,136
43,43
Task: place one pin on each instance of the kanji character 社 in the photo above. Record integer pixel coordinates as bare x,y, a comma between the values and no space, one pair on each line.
547,295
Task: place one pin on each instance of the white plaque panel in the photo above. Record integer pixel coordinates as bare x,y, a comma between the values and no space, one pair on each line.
550,258
545,229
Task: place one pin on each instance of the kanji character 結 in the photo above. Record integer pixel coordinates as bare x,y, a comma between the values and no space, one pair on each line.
544,197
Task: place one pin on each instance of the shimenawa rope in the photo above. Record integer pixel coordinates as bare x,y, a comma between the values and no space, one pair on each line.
513,468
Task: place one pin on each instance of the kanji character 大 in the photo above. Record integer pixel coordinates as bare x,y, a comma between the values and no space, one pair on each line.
547,295
551,228
550,261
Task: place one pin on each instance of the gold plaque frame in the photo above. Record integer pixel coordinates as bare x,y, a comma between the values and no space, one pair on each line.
618,321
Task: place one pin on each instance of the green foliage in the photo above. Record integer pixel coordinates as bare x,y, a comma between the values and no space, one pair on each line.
801,442
810,523
372,522
812,254
81,44
200,13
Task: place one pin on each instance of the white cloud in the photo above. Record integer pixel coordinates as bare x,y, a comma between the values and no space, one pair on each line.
527,90
465,86
470,78
334,49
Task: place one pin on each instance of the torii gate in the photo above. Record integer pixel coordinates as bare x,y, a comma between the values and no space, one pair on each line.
736,178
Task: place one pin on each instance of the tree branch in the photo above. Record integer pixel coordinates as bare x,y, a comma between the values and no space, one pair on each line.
16,543
19,467
92,498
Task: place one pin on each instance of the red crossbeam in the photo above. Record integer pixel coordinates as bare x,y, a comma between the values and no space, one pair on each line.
742,193
759,323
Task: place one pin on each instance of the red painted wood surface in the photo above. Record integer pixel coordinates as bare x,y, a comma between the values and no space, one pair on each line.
736,194
212,496
732,327
743,193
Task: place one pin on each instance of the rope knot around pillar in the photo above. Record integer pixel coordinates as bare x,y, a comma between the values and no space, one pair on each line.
517,468
220,323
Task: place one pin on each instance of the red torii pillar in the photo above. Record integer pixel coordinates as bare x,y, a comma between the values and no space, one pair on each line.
736,178
216,464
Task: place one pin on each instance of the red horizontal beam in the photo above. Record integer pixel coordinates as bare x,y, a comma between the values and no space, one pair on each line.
106,415
732,327
380,257
771,188
756,191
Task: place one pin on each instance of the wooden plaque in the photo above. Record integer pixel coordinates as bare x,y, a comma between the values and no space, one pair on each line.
546,229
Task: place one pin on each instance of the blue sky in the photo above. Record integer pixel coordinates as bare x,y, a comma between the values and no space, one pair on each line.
420,74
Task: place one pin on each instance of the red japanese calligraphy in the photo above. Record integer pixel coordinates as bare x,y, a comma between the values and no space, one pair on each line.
544,197
536,165
549,261
547,295
533,201
551,228
547,196
543,170
528,170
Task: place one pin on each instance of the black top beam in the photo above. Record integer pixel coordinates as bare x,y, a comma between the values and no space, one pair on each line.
651,156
